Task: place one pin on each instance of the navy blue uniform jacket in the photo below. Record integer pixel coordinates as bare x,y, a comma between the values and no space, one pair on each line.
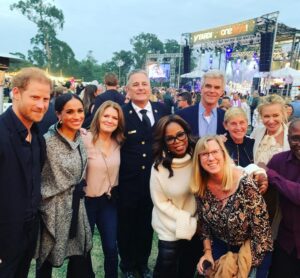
136,156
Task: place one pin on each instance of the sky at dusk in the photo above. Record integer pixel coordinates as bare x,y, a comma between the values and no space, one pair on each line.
107,26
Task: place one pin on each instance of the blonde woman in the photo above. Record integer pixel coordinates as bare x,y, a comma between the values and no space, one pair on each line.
270,139
103,147
230,208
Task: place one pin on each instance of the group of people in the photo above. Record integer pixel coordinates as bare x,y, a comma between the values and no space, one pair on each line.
216,198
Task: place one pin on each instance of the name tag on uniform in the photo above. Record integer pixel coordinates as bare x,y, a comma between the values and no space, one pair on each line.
131,131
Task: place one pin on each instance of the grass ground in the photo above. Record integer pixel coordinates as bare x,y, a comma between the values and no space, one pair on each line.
97,257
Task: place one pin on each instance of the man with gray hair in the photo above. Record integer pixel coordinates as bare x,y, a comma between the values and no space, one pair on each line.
206,118
134,203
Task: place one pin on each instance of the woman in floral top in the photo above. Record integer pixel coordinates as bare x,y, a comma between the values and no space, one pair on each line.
231,210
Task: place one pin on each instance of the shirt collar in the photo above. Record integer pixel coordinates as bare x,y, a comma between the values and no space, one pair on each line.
291,157
202,109
137,109
20,127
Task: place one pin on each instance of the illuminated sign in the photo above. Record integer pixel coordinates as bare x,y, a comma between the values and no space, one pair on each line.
224,32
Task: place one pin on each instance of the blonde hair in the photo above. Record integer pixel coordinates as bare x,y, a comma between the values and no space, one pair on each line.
95,129
272,99
234,112
200,176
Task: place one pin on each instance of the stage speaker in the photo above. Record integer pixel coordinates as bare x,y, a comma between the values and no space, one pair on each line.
266,46
186,59
255,83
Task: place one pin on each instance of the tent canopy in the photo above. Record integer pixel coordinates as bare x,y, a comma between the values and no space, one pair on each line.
193,74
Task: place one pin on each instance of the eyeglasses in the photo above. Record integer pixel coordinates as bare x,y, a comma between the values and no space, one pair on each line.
214,153
179,136
294,139
178,100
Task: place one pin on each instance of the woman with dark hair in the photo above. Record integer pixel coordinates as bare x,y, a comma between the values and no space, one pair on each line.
173,216
103,143
89,95
65,229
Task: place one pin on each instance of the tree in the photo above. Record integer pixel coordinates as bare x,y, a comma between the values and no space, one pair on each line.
171,46
47,18
142,44
128,63
88,68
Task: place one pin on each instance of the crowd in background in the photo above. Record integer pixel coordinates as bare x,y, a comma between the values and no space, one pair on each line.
214,174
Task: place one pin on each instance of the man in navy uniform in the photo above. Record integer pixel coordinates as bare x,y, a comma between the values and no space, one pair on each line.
134,205
22,152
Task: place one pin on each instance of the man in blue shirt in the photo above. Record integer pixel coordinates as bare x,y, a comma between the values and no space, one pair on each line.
206,118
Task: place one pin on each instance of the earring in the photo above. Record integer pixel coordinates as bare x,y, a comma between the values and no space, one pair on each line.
60,122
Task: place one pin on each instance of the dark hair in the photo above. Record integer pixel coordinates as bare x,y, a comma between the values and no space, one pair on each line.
186,96
292,124
61,101
111,79
160,150
89,97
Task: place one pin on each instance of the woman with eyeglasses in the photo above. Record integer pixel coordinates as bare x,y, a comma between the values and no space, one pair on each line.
173,216
232,213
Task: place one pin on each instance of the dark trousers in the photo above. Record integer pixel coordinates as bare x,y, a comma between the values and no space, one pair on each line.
178,259
77,268
18,267
134,236
284,264
103,213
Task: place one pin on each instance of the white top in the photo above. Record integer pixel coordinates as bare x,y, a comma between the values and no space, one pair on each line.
97,177
174,205
148,107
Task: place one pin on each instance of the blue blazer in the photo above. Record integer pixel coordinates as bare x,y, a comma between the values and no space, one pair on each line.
14,187
136,155
191,116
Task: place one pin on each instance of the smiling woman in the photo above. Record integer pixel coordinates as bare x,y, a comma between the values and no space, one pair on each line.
174,205
232,212
65,231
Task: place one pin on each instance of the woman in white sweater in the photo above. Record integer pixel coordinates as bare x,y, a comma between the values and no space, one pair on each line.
173,216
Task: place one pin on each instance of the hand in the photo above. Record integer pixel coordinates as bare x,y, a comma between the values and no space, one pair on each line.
262,165
83,131
262,182
206,257
223,137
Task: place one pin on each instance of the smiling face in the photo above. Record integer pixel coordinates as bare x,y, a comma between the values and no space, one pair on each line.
31,104
212,159
138,89
178,146
272,117
71,116
109,120
237,128
211,91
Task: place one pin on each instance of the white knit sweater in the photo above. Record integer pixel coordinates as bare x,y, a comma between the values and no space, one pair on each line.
174,205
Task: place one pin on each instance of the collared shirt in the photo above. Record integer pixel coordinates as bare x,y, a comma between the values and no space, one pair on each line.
207,127
283,173
148,107
31,155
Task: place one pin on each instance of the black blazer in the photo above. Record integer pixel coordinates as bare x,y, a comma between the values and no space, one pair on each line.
191,116
14,187
136,156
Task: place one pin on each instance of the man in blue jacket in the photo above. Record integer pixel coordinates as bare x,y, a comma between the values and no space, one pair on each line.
206,118
22,152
